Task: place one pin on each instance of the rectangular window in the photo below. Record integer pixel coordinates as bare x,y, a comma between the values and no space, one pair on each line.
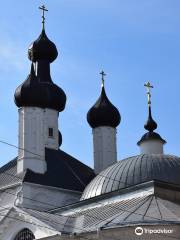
50,132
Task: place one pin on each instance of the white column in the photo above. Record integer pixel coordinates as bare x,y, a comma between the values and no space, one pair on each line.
151,147
105,152
34,125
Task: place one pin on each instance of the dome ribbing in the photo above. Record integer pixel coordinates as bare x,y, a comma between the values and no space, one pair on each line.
135,170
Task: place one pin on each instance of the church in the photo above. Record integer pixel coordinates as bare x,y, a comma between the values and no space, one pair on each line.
48,194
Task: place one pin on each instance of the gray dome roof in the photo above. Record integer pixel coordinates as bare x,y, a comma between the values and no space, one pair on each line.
134,170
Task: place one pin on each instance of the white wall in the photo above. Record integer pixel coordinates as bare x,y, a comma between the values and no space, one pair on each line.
11,227
41,197
105,150
34,123
151,147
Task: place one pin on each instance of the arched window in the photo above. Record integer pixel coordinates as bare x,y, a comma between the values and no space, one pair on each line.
25,234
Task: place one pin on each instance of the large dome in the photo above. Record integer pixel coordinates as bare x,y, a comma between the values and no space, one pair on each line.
134,170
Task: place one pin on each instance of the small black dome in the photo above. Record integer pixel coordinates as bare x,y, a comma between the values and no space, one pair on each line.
33,93
150,125
103,113
42,49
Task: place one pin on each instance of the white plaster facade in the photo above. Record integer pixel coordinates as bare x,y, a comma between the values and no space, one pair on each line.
43,198
34,124
17,219
105,150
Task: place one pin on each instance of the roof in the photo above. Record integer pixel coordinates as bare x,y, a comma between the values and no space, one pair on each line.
63,224
40,91
103,112
135,170
130,209
151,136
144,208
150,126
63,171
8,174
42,49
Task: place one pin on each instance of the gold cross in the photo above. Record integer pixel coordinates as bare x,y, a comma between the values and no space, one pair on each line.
148,87
43,8
103,75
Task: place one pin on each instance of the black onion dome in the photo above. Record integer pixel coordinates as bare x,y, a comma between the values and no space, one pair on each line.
103,113
133,171
42,49
150,125
33,93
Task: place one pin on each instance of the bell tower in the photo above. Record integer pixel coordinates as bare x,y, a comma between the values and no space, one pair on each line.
39,102
104,117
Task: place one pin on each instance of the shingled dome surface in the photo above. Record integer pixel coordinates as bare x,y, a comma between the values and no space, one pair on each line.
134,170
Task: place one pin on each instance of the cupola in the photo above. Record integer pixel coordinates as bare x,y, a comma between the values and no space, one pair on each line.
104,117
42,49
39,101
151,142
34,93
103,112
38,90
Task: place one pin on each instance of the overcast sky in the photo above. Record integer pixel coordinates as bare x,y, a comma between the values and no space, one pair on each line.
131,40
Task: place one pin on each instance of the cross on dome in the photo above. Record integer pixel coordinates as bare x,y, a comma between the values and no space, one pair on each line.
43,8
148,87
102,73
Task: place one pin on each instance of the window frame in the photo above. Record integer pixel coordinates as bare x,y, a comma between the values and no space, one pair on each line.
50,130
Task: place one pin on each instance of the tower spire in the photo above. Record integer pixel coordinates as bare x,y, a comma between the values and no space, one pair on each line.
150,142
44,9
150,125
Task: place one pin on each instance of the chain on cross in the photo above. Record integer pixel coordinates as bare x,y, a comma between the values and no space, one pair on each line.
43,8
